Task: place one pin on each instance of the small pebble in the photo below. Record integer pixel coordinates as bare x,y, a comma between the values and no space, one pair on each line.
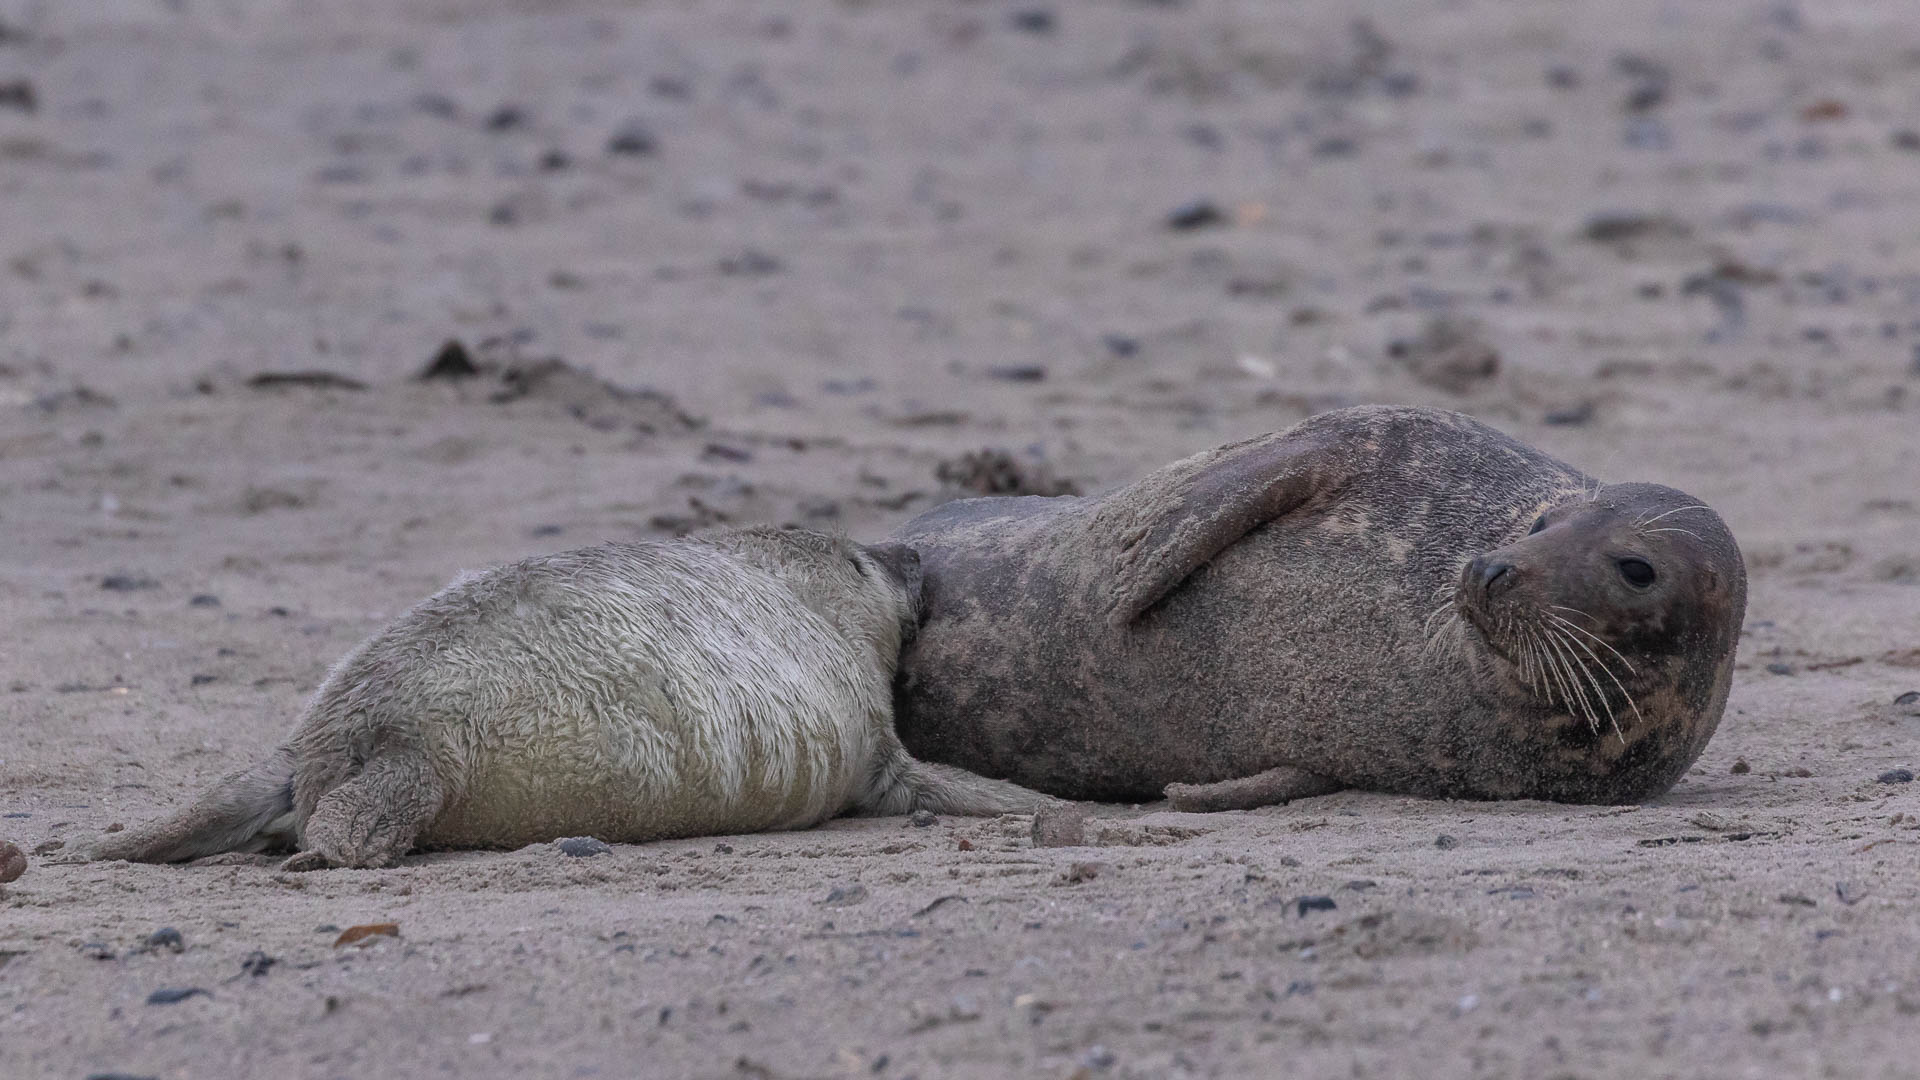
1034,21
13,862
634,140
582,847
257,963
1896,776
1779,668
97,950
1313,903
175,995
1911,697
450,361
844,895
204,600
1445,842
1197,214
127,583
923,818
167,938
1019,372
506,118
1570,416
1740,767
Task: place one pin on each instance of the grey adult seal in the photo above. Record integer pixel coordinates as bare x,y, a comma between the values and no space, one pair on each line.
734,683
1402,600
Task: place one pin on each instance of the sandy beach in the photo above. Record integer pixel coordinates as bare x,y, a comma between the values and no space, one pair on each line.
720,263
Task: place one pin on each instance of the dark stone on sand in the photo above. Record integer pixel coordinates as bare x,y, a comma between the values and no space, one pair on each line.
1615,226
1911,697
1906,139
634,140
555,161
1570,416
175,995
1120,345
452,361
844,896
1034,21
1896,776
257,963
1778,668
203,600
13,862
127,583
1313,903
506,118
328,380
18,94
1445,842
924,818
167,938
1019,372
1197,214
582,847
201,679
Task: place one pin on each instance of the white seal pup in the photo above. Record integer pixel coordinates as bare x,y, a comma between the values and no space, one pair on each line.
733,683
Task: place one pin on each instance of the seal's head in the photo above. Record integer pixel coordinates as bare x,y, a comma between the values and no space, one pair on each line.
1618,611
871,593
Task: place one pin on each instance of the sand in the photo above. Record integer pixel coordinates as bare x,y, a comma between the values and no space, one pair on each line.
837,244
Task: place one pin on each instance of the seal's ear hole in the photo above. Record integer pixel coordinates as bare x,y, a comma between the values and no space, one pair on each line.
1538,524
1637,572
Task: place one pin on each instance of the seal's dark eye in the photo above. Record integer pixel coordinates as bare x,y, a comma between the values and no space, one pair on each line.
858,566
1638,572
1538,524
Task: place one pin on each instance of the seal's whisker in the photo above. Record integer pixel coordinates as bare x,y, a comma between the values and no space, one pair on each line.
1568,623
1566,665
1671,529
1624,692
1560,677
1598,691
1575,610
1670,513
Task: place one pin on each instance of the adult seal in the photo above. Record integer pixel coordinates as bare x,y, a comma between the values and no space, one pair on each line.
735,683
1401,600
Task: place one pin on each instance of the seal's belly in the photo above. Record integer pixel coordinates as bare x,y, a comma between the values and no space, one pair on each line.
630,745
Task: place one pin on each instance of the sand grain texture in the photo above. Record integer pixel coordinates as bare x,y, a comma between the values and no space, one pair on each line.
795,257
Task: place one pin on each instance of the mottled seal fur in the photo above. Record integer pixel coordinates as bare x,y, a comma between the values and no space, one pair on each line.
1402,600
633,692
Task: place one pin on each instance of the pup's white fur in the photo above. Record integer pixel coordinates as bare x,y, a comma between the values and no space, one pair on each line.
734,683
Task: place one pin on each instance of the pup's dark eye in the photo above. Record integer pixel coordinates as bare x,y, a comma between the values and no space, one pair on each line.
1538,524
1638,572
859,566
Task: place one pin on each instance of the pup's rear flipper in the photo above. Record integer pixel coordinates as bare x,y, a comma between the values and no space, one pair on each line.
251,810
906,784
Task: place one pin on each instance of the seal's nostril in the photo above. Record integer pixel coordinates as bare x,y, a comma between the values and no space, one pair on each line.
1496,578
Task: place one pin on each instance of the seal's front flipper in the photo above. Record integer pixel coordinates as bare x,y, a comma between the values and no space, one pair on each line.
1271,788
1178,519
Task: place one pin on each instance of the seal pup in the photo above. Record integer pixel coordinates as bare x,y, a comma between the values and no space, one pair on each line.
1402,600
734,683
